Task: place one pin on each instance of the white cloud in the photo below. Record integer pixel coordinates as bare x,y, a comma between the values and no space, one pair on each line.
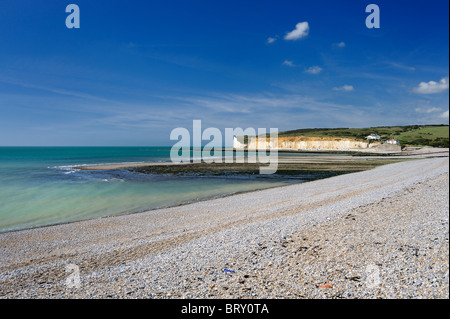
314,70
339,44
432,87
402,67
429,110
271,40
345,88
301,30
288,63
444,115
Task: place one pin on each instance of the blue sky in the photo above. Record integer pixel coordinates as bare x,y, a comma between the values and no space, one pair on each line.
135,70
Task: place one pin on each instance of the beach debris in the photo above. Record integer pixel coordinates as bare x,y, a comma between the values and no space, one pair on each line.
326,286
228,271
354,278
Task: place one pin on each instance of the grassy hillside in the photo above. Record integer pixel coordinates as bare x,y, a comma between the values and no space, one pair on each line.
427,135
413,135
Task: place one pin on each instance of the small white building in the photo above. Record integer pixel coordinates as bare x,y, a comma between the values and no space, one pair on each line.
373,137
393,141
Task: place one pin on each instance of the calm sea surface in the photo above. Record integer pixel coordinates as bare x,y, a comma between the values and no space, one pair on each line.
39,187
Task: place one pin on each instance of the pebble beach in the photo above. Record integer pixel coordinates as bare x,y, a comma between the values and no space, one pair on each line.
380,233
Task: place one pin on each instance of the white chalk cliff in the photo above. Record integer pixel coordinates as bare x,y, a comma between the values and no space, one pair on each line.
306,143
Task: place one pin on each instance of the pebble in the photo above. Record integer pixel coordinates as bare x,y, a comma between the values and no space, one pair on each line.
389,242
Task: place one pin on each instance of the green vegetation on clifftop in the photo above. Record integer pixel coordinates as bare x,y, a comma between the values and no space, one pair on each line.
409,135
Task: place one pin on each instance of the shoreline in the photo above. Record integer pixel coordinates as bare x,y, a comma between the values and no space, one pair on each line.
156,242
324,156
190,202
193,201
290,168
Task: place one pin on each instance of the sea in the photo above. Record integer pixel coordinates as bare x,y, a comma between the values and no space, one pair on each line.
39,185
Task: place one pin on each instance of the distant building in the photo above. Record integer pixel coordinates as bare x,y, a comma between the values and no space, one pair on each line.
373,137
392,141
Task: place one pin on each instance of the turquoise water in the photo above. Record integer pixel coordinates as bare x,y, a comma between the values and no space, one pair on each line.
38,186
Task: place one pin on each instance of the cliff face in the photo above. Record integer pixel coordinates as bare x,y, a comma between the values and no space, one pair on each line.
238,143
309,143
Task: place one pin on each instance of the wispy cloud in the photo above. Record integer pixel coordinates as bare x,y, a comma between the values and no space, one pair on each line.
288,63
428,110
286,110
402,66
301,30
344,88
55,90
432,87
271,40
340,44
431,114
314,70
